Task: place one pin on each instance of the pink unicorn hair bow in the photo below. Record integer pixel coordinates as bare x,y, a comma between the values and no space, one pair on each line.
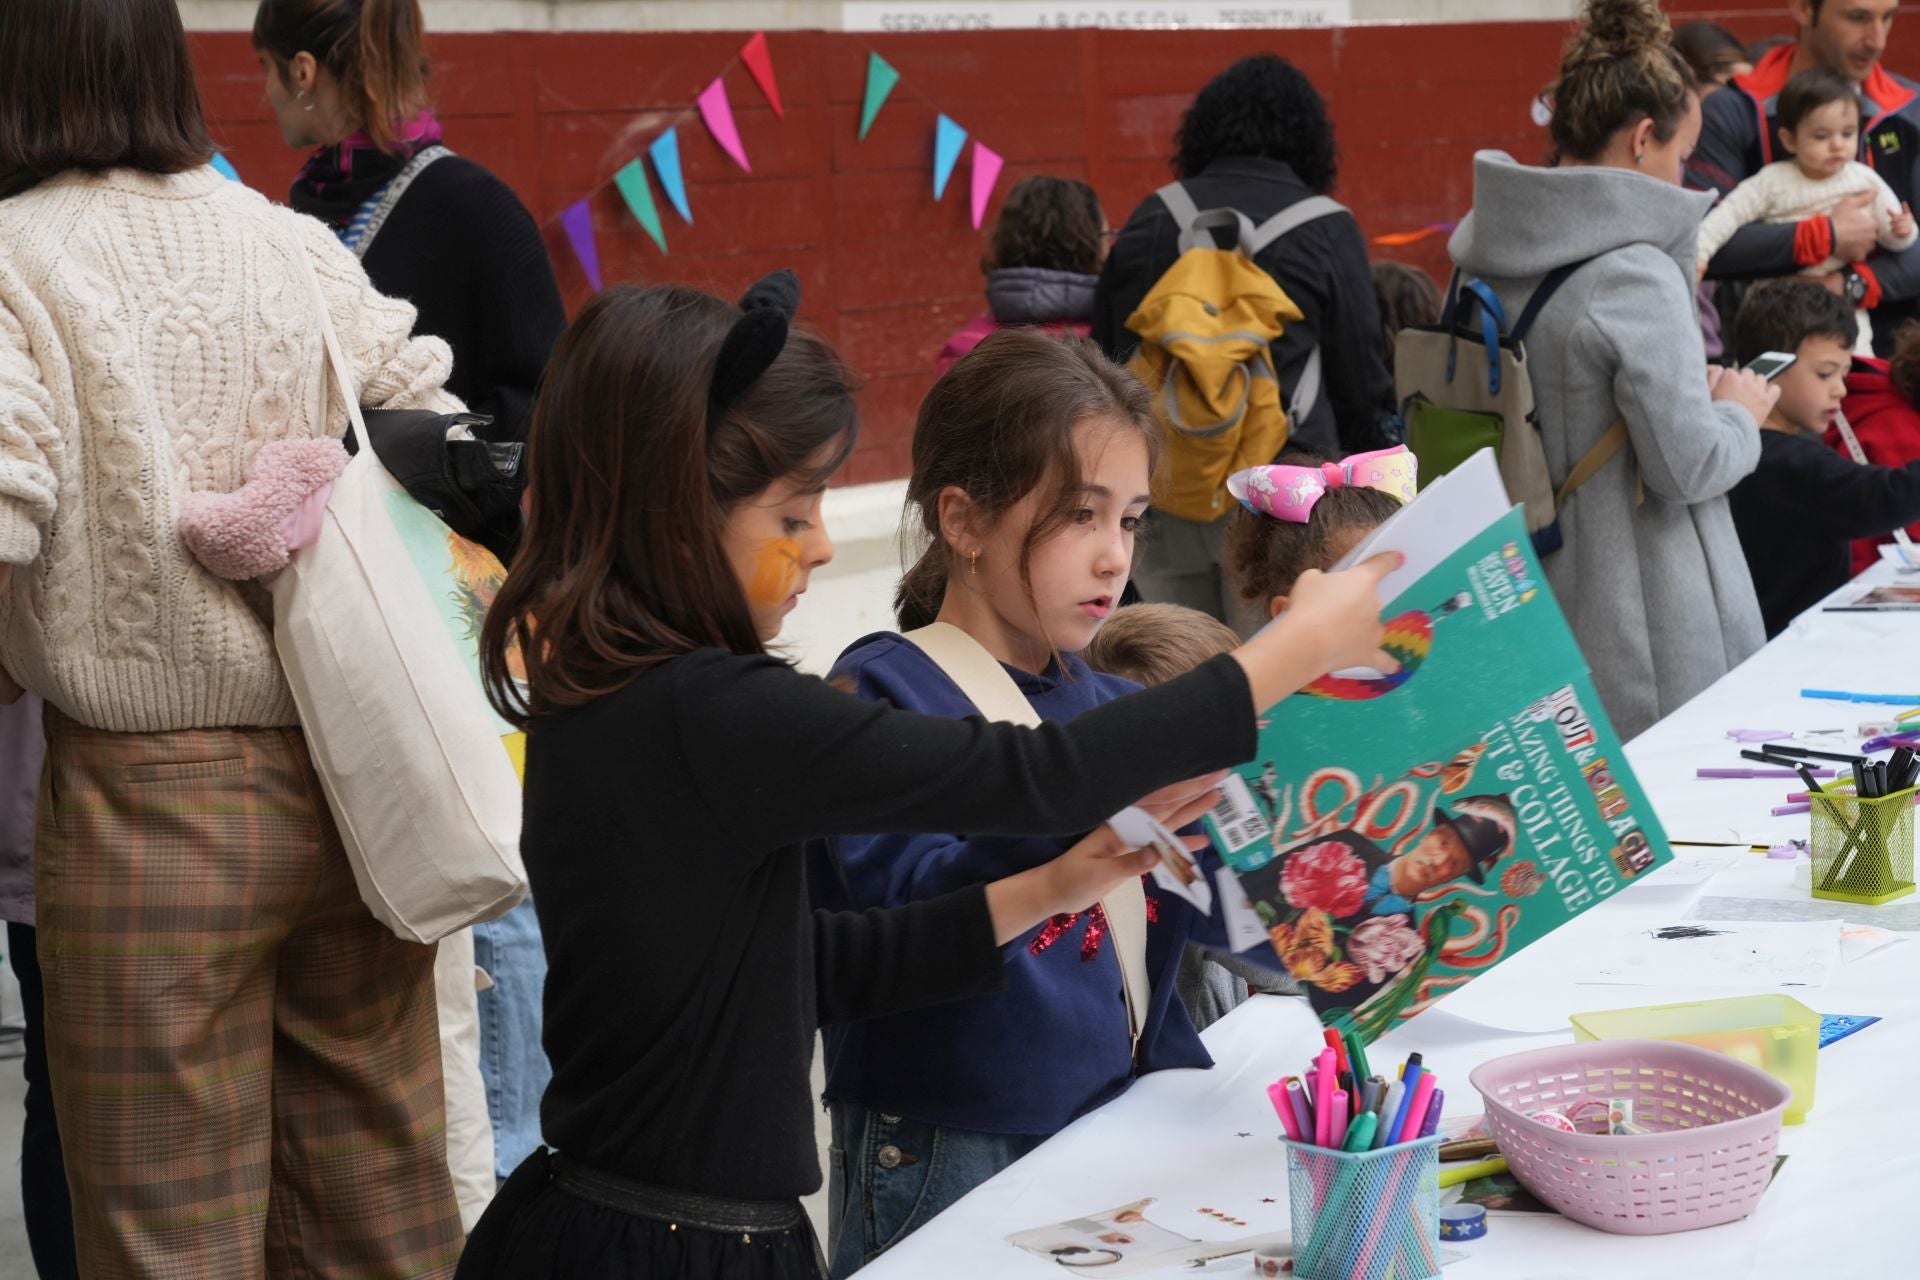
1288,493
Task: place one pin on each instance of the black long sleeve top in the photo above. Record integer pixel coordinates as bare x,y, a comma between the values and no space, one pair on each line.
465,252
687,971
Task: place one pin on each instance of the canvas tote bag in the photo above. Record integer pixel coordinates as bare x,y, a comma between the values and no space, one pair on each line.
377,626
994,695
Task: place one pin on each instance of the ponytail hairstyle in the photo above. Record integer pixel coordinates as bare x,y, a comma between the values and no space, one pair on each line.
998,426
636,457
1620,67
375,48
1055,223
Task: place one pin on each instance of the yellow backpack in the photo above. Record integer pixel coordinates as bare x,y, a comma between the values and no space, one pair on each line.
1206,330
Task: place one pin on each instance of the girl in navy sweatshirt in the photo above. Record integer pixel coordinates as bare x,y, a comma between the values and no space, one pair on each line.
1032,461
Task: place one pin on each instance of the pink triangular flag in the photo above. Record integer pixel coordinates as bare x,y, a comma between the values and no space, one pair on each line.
986,172
718,113
760,62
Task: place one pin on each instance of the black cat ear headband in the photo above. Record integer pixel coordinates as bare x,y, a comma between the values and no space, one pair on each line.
754,342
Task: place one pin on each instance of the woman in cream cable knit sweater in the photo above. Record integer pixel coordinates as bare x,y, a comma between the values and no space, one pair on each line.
245,1064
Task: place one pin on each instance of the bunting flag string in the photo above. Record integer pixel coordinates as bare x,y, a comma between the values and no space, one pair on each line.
1396,239
986,171
665,151
881,77
716,111
760,64
948,138
632,181
577,218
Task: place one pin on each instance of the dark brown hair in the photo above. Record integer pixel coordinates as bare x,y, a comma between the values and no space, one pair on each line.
1619,68
623,563
1054,223
1780,314
375,48
1151,644
1904,368
1408,298
999,425
1810,90
1263,557
1709,48
96,84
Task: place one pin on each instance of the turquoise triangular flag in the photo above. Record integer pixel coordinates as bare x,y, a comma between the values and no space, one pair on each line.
947,141
880,81
632,181
665,151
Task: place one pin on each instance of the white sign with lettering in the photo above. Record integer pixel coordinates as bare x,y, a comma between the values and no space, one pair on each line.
990,15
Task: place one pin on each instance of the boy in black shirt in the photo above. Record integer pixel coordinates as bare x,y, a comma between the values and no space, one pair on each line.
1802,505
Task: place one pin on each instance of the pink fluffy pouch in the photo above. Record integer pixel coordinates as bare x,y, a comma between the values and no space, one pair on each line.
253,531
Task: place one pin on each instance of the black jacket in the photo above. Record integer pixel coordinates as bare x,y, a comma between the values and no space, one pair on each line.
1801,508
1323,267
465,252
1733,147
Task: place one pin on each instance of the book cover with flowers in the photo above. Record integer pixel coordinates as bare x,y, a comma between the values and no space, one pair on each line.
1399,835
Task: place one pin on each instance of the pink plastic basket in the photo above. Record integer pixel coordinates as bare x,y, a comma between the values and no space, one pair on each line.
1716,1122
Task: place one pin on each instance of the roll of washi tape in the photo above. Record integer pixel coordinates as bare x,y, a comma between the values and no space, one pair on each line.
1271,1260
1463,1222
1553,1120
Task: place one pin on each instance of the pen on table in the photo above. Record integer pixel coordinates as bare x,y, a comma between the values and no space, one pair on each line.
1744,773
1841,695
1788,810
1455,1174
1782,754
1886,740
1784,761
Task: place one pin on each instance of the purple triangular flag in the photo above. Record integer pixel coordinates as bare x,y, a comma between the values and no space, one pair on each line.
578,220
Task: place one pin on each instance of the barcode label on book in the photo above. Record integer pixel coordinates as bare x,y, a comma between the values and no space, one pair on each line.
1237,821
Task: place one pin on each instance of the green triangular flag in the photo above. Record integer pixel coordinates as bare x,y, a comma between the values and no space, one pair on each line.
880,81
632,181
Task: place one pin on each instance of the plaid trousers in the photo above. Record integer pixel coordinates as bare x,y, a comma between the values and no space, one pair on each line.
245,1064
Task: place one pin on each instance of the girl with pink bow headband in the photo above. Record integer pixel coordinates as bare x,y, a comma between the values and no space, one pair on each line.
1305,513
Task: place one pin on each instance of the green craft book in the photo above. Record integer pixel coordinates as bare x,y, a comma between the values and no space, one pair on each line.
1398,835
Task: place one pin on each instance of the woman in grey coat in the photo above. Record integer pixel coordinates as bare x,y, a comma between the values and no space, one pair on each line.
1651,575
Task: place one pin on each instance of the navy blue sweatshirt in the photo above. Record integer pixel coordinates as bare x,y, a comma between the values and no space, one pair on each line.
1055,1043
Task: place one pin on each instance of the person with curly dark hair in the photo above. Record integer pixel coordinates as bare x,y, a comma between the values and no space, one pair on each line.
1042,262
1257,140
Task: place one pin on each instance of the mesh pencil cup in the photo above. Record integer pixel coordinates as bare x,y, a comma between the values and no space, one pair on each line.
1365,1215
1862,849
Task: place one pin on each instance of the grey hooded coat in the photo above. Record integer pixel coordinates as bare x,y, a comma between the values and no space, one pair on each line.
1658,593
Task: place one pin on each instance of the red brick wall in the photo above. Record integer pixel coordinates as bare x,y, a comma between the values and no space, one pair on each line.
888,272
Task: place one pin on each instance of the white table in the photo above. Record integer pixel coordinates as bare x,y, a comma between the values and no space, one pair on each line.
1847,1202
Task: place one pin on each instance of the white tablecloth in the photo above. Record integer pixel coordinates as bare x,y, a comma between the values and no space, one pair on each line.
1846,1203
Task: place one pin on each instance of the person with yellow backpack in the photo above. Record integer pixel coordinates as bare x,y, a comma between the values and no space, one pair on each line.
1243,296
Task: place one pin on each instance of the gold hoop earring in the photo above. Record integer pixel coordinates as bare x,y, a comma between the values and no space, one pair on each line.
973,564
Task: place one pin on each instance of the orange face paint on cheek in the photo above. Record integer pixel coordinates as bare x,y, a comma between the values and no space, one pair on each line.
776,571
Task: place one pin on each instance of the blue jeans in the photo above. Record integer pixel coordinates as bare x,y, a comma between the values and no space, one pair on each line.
888,1176
512,1062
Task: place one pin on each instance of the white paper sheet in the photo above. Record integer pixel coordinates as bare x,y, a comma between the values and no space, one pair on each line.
1729,953
1448,512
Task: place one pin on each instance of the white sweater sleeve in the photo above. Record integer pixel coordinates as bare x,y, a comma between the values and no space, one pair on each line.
31,446
392,368
1751,201
1886,206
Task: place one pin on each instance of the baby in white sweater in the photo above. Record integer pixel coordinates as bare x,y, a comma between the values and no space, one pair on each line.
1820,123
